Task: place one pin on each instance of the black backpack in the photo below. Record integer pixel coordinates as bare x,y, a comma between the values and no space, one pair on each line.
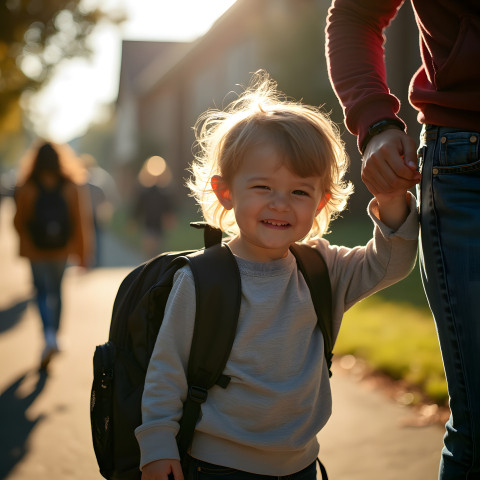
120,365
50,226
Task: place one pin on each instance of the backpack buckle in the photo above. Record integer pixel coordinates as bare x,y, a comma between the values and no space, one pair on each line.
197,394
211,235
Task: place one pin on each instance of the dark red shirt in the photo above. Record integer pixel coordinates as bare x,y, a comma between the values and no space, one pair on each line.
445,89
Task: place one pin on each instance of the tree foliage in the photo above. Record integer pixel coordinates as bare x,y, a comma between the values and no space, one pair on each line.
35,36
294,47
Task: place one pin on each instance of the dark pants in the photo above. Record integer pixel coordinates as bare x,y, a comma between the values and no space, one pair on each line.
199,470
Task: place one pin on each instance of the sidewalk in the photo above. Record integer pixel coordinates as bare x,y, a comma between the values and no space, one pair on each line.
45,429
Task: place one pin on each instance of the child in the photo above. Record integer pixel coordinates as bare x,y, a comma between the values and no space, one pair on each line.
270,173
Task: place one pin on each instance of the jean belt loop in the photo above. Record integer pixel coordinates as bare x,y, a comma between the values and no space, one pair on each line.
430,133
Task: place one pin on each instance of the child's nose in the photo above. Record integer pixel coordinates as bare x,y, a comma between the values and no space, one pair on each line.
279,202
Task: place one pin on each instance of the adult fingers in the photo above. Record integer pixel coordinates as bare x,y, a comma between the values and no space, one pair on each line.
409,148
384,168
379,175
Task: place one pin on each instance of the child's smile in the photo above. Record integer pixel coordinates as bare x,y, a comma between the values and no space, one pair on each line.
275,224
274,207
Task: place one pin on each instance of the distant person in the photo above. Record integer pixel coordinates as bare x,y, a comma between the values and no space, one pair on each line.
446,92
153,208
53,221
103,196
270,174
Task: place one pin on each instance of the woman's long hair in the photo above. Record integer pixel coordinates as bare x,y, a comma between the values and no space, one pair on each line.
59,160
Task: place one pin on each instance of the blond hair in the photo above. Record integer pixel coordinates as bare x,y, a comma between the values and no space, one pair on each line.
310,141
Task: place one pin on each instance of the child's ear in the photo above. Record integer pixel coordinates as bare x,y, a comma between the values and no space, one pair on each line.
221,191
323,202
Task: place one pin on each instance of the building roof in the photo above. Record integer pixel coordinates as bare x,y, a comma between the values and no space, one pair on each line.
139,56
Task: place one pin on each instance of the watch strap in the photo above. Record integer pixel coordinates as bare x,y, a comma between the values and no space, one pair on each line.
379,127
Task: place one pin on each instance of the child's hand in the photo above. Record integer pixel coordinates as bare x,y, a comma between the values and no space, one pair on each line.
161,469
393,209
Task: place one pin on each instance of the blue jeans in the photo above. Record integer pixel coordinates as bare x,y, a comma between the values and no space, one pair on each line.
198,470
47,279
449,198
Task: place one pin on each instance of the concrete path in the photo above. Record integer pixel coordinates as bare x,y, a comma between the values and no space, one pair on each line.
44,419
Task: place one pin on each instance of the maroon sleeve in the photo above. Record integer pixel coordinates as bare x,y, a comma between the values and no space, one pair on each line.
355,59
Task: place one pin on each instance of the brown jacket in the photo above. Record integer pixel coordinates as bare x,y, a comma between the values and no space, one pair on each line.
81,242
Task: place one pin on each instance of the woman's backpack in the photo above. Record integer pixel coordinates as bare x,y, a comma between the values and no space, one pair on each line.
50,226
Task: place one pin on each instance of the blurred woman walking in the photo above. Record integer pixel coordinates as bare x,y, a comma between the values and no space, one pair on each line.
54,224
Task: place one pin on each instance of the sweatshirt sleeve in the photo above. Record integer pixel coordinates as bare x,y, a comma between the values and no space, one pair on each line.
356,273
355,60
165,384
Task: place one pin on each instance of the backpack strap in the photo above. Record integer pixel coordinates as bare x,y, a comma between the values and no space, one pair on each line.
315,271
211,235
218,297
323,470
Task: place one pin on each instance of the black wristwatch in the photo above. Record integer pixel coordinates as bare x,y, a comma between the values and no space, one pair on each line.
379,127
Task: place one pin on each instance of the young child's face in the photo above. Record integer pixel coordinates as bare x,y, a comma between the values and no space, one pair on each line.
273,206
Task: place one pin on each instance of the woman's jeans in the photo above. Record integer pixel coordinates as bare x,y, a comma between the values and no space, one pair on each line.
198,470
450,265
47,279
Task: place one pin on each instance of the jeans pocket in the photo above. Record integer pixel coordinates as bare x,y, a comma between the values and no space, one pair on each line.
458,153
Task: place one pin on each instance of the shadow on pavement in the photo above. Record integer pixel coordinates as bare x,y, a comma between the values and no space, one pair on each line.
12,315
16,426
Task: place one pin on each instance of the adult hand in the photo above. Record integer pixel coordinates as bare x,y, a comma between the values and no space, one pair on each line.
161,469
389,163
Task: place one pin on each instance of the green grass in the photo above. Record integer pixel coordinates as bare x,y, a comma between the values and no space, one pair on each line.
393,331
398,339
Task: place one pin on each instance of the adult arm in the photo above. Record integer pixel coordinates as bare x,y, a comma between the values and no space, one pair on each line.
24,199
83,234
355,59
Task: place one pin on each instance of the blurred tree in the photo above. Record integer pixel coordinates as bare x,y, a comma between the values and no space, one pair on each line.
35,35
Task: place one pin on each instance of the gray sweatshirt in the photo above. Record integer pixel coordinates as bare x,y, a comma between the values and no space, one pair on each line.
279,397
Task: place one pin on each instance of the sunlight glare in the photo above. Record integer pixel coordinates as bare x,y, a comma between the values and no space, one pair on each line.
179,20
156,165
66,107
155,171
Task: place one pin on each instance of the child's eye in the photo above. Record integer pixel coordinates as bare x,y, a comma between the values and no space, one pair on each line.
300,192
261,187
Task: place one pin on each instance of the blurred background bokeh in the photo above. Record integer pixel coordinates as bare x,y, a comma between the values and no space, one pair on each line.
123,82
